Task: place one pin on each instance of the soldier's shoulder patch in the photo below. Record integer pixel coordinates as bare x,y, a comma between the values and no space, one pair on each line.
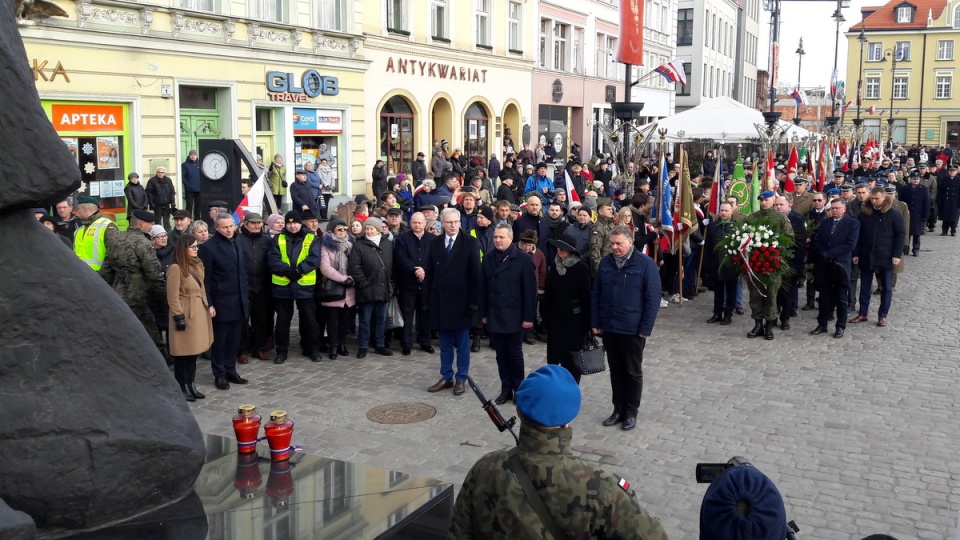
624,484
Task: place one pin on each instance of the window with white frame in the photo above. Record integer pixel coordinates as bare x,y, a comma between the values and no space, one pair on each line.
270,10
684,27
872,90
544,37
945,49
438,19
561,33
900,83
703,87
944,84
904,14
329,14
874,52
956,16
198,5
515,26
483,22
576,61
397,15
902,50
684,90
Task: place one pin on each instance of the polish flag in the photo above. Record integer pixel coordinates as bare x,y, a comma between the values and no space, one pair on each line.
572,195
253,200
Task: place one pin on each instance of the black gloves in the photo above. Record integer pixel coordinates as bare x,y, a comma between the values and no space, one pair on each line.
292,274
906,250
473,309
348,282
180,321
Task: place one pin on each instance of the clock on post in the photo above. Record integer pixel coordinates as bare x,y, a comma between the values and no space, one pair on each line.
220,172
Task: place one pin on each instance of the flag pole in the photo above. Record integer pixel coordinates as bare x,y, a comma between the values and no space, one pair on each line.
659,198
678,203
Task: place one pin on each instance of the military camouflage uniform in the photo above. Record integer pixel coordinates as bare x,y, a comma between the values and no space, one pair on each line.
133,270
765,307
585,501
599,242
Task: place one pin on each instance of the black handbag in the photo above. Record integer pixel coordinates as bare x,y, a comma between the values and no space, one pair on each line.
331,291
591,358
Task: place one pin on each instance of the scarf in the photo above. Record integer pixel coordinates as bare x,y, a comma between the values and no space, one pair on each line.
620,260
341,246
554,223
563,264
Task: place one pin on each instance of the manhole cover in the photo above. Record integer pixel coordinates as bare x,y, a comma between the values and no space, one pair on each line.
400,413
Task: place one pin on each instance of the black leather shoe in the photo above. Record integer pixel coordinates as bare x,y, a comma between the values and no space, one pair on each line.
361,353
186,393
503,398
332,354
235,378
714,319
405,351
757,329
281,358
526,339
314,357
819,330
342,350
428,349
785,324
727,319
192,387
221,384
614,419
629,423
839,333
768,329
383,351
808,307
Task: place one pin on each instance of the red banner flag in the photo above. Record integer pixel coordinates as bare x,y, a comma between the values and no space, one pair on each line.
630,44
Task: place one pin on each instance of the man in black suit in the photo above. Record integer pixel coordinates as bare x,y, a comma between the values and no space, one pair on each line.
227,287
834,244
409,259
452,297
788,297
508,303
814,217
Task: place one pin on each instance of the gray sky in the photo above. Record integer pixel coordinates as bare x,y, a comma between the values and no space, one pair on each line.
813,21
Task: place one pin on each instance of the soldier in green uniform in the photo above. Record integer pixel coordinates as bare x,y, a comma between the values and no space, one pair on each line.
802,199
583,500
904,210
763,307
600,235
133,270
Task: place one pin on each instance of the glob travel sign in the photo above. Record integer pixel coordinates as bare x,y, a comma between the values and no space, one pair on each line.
286,87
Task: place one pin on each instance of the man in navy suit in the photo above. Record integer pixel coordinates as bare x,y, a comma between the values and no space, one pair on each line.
225,279
508,303
452,297
834,244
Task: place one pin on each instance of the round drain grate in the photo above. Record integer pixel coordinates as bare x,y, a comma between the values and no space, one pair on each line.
400,413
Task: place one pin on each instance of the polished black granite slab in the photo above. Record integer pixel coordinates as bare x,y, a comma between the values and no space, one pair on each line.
248,497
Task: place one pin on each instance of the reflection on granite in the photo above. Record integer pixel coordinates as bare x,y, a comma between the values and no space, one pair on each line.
249,497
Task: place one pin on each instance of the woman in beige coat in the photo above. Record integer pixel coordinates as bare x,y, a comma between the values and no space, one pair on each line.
191,323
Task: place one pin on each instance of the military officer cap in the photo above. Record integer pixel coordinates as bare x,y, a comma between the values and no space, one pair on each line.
838,174
767,194
216,204
890,189
914,174
860,180
603,201
800,180
86,199
832,191
953,167
846,187
922,166
880,183
549,396
143,215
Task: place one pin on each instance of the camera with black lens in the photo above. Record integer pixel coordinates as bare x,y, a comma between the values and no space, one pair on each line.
708,472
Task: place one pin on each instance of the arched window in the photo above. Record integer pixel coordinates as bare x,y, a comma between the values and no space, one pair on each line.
396,135
476,131
956,16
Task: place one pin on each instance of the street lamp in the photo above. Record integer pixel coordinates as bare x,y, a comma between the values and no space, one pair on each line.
800,53
892,53
837,16
862,38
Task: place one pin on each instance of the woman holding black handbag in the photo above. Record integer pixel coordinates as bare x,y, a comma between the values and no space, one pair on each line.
190,315
566,305
336,292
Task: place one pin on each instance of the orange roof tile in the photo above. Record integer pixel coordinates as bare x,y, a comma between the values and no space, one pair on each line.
885,17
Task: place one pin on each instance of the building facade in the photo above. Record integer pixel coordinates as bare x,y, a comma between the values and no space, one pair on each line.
718,42
444,71
908,71
132,86
576,75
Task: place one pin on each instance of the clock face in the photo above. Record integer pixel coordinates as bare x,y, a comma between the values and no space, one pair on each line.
215,165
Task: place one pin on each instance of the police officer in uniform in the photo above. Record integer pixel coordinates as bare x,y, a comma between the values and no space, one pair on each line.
96,235
492,503
763,307
133,270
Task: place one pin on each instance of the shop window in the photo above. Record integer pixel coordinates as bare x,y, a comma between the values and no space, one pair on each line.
329,14
553,125
396,135
101,161
475,124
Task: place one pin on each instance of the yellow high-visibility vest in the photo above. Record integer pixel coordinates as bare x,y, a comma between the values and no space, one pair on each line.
89,243
307,279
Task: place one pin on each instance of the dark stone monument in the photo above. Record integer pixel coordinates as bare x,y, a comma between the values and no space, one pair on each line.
94,428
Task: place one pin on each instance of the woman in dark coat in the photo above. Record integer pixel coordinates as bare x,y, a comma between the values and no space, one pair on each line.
379,178
565,307
370,264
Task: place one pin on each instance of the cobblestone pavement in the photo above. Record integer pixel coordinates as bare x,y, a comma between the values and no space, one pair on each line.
859,434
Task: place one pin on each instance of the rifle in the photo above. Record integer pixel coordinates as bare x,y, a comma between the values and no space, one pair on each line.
493,412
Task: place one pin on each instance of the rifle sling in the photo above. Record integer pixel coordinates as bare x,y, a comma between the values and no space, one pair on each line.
532,496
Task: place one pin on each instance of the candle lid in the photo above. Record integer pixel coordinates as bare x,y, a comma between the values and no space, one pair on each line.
246,408
278,416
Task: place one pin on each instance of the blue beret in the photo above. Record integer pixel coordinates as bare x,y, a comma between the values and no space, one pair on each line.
767,194
721,517
549,396
833,191
880,183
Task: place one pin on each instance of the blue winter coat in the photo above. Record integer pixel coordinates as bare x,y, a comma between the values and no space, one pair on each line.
225,278
190,176
626,300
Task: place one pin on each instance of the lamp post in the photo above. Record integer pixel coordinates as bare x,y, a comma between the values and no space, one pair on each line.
892,53
800,53
862,38
837,16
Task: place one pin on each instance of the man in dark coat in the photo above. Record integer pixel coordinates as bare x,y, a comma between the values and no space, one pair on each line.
379,175
878,251
508,303
624,305
162,196
371,267
917,199
419,169
227,286
453,297
190,178
300,195
293,260
135,193
814,216
493,167
788,297
726,277
256,247
410,259
533,220
948,201
834,243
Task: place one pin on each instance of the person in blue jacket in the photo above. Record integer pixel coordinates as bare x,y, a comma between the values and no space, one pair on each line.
540,184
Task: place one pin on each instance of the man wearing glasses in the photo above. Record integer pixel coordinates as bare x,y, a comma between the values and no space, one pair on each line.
162,196
813,217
